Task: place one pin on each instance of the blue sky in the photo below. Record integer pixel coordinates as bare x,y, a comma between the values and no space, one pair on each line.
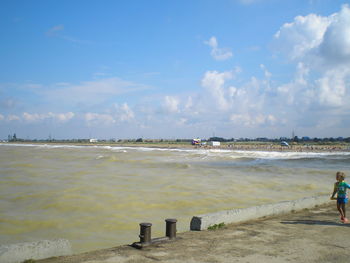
174,69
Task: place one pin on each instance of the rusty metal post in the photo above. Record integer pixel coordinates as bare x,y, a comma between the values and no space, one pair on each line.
145,233
170,228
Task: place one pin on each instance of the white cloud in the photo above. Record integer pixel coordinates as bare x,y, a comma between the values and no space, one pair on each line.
302,35
216,52
312,38
2,117
117,114
36,117
63,117
189,103
336,39
181,121
91,92
333,87
171,104
322,46
252,120
13,117
266,72
97,118
214,81
298,90
124,112
33,117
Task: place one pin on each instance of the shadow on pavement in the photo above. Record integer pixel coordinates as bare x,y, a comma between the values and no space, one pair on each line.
314,222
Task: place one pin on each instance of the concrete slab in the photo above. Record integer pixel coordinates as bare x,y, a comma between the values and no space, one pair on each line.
16,253
202,222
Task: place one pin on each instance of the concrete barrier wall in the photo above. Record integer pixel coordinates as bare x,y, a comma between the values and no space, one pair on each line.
17,253
202,222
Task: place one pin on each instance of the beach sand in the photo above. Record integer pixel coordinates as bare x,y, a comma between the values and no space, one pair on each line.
314,235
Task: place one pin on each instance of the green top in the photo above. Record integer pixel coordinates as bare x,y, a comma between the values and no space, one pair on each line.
341,189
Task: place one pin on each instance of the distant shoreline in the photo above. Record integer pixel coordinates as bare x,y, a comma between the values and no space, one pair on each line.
235,146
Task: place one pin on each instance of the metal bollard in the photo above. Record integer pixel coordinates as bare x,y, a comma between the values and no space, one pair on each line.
170,228
145,233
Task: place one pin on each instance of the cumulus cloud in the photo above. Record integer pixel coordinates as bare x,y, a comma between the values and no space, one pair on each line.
266,72
336,39
119,113
98,118
302,35
124,112
224,96
35,117
13,117
216,52
333,87
214,81
322,46
63,117
252,120
171,104
298,90
316,97
310,37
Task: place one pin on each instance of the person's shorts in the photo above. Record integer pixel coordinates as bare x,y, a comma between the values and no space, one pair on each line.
342,200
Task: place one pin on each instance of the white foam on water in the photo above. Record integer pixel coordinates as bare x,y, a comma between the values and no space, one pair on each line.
233,154
288,155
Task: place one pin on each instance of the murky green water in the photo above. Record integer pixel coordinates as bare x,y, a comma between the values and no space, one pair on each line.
96,196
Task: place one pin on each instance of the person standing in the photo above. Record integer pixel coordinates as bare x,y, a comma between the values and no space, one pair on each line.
340,188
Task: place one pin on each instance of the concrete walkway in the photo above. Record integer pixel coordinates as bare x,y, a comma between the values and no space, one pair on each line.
315,235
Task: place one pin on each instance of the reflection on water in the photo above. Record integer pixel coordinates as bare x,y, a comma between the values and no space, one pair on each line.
96,196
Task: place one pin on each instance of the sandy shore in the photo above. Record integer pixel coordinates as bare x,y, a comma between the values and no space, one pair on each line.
315,235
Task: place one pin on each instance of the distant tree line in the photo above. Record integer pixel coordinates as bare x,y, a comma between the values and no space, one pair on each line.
14,138
295,139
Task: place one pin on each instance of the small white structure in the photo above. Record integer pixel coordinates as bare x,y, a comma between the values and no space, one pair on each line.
214,143
93,140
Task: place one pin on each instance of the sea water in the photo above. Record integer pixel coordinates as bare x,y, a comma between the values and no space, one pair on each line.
96,196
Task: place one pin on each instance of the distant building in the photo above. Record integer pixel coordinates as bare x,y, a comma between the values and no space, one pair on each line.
93,140
214,143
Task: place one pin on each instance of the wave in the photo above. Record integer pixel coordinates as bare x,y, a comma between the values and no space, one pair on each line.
43,145
202,153
288,155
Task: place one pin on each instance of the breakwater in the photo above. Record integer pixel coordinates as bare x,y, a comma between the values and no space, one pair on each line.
202,222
